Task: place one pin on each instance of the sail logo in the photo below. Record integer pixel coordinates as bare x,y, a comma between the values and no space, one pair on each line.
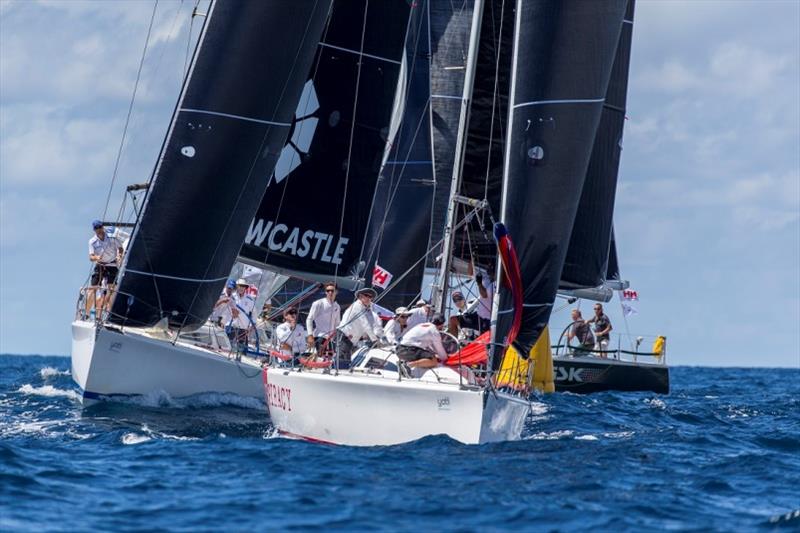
304,125
281,238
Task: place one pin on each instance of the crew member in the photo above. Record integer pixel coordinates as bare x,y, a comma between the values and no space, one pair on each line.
396,327
419,313
323,318
105,252
421,346
242,308
359,321
602,330
581,331
221,314
291,336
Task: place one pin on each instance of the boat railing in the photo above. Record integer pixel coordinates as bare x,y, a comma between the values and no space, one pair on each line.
638,352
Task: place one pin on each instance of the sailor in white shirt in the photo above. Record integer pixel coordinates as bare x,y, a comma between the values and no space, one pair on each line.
419,313
359,321
222,314
243,304
486,290
291,336
422,345
105,252
398,326
323,318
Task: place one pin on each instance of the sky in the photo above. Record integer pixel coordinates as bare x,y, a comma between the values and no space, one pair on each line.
708,207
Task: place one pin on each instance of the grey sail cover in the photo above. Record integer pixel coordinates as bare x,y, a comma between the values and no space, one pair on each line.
564,52
227,131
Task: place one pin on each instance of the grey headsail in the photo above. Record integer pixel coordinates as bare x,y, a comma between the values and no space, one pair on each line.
227,131
588,253
451,24
313,218
400,223
563,55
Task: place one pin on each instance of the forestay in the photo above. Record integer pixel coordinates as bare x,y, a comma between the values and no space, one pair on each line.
227,131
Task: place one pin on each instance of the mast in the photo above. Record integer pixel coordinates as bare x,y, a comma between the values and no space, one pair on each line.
440,290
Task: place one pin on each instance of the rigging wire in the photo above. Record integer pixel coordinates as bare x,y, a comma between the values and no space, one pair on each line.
130,108
352,128
189,38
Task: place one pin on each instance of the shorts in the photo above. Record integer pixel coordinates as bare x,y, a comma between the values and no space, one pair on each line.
413,353
104,272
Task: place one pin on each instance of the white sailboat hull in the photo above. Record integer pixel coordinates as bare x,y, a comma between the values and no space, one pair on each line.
369,410
108,364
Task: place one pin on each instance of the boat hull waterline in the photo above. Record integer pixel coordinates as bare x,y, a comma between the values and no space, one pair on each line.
370,410
108,364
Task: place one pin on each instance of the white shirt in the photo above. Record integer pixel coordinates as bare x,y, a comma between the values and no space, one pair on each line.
105,248
359,322
427,337
394,331
485,304
243,304
294,337
418,316
324,317
222,309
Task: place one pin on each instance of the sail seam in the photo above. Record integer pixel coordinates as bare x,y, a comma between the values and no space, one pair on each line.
566,101
238,117
362,54
164,276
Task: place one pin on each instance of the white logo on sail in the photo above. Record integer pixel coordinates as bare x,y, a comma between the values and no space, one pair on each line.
303,128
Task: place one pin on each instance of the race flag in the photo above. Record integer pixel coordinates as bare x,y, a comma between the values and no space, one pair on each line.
630,295
628,309
380,277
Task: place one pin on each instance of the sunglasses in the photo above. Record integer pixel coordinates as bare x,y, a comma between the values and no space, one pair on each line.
291,312
330,290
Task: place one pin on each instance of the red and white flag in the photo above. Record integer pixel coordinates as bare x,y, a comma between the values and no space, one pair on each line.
381,277
630,295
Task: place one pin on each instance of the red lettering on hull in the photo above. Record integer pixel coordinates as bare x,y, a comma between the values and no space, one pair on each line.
280,397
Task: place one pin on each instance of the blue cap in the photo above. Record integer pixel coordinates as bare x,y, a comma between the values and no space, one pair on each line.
97,224
231,284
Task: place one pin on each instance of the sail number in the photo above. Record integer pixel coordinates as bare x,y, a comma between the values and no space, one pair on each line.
280,397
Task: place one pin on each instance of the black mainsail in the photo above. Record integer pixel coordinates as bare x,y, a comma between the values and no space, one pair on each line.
586,262
311,222
563,57
227,131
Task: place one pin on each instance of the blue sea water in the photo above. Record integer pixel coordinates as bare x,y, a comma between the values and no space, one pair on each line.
721,452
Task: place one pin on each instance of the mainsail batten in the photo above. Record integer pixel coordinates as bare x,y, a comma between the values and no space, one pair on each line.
313,216
206,187
563,52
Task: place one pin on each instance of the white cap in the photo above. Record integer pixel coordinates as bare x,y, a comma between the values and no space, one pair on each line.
242,281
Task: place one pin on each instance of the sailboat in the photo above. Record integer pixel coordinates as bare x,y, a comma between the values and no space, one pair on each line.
228,128
548,68
591,268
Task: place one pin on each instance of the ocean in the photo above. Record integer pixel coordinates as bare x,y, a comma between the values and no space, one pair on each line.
721,452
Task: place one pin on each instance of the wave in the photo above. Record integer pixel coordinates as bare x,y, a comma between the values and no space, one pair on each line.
49,372
49,391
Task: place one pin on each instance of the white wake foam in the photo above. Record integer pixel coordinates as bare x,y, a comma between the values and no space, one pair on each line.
134,438
49,372
50,391
161,398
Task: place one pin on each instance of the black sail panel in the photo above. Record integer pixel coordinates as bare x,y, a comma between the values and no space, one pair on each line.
612,271
227,132
585,264
450,29
313,217
564,52
400,223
